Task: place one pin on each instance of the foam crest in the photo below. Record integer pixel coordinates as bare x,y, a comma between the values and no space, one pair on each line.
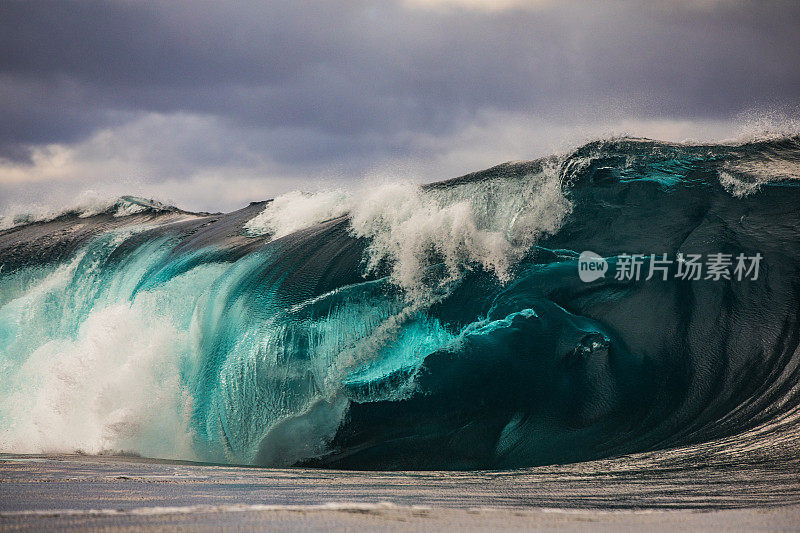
486,225
472,225
296,210
87,204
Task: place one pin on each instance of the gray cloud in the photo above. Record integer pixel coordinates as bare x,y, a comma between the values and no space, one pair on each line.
338,84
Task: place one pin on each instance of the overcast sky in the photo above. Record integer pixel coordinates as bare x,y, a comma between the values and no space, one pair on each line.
214,104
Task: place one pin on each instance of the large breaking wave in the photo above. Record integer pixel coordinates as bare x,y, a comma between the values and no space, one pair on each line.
399,326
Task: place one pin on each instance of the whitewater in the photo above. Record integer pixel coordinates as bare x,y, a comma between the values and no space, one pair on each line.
438,327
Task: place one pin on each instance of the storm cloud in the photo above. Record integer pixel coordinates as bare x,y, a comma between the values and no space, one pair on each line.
235,100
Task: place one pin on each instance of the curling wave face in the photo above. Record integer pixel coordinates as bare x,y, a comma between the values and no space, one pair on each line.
407,327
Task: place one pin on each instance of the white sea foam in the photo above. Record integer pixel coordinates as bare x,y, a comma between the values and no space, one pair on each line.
746,177
297,210
112,388
87,204
107,377
360,507
737,187
485,224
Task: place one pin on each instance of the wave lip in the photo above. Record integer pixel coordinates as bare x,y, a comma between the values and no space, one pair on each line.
86,206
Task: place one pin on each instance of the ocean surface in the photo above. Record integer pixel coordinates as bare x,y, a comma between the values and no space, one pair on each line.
627,310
